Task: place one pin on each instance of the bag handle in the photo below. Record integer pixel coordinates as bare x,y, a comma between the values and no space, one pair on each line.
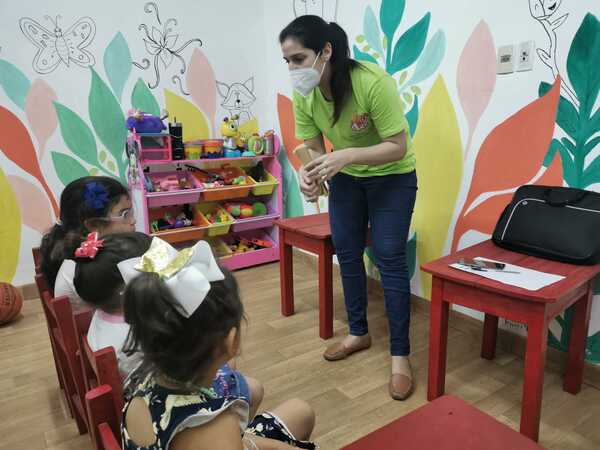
562,200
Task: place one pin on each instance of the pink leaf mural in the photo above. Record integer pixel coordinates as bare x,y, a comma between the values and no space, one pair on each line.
510,156
35,208
40,112
476,76
202,85
16,144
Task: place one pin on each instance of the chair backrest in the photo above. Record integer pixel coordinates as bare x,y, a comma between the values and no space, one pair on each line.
104,419
67,339
41,284
99,367
37,259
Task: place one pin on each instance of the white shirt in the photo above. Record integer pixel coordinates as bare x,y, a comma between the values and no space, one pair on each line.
108,330
64,284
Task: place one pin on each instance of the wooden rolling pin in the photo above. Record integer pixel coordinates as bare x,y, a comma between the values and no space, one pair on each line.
305,154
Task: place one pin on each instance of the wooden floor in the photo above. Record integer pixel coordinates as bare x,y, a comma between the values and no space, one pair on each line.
350,397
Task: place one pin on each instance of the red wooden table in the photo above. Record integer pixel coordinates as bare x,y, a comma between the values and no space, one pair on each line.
446,423
311,233
533,308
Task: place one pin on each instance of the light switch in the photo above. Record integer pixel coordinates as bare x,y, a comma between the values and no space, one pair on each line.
506,59
525,56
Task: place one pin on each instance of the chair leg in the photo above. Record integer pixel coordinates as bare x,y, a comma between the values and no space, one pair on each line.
490,333
286,275
438,341
326,290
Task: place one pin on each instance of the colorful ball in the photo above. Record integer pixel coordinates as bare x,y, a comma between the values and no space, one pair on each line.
11,302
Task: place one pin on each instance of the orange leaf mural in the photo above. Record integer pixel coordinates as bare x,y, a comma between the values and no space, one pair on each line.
16,144
510,156
285,110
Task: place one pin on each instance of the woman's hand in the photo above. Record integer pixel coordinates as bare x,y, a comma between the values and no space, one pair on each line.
325,167
309,188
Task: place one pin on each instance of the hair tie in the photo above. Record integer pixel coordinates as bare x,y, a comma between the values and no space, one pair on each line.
89,248
95,195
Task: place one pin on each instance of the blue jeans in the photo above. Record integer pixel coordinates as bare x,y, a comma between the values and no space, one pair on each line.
386,203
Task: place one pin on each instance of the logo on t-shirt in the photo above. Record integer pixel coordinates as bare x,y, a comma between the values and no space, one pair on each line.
359,121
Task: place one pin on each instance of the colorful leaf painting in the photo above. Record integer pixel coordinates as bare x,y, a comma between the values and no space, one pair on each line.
39,108
293,204
117,64
476,77
16,144
10,231
14,82
516,149
193,121
202,85
285,110
68,168
35,208
430,59
438,149
410,45
143,99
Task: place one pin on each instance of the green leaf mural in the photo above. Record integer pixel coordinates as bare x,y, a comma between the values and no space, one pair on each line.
117,63
390,15
362,56
581,125
108,120
430,59
292,198
142,98
14,82
76,134
412,116
409,45
371,30
67,168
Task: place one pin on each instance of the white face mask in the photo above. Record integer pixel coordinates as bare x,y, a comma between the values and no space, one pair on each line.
305,79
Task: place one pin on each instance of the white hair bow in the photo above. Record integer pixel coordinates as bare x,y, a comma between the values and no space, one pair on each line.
187,273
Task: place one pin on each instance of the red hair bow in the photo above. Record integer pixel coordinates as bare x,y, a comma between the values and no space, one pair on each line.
89,248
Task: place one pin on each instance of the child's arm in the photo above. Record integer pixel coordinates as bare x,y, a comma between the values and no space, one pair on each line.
223,433
269,444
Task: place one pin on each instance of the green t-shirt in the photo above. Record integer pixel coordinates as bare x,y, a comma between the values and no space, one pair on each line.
373,113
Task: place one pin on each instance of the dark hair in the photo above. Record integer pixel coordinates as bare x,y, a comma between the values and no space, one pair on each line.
313,32
179,348
77,206
98,280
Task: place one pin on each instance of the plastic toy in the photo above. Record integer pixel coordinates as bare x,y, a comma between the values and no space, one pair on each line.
245,210
169,183
232,139
213,148
221,217
239,180
256,144
145,123
258,172
193,152
243,245
231,153
259,209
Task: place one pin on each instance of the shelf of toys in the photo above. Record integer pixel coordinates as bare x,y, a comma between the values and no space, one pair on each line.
226,191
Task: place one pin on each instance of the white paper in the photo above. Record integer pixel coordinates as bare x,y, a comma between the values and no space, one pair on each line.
529,279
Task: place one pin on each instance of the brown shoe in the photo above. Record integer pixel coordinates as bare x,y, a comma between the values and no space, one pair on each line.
400,386
339,351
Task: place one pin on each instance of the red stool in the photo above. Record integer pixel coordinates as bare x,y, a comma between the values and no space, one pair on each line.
446,423
311,233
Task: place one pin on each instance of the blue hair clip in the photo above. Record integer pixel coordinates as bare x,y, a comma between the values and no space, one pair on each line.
95,195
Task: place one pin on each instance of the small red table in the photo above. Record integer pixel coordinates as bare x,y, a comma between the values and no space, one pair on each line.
533,308
311,233
446,423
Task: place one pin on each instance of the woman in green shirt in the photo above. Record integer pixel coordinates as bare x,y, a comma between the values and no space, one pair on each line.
371,175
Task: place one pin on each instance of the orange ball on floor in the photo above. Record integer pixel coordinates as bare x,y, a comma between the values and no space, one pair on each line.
11,302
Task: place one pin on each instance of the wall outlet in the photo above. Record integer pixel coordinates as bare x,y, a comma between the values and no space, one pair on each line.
506,59
525,56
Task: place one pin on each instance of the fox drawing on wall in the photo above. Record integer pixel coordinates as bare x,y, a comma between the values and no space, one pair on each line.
238,97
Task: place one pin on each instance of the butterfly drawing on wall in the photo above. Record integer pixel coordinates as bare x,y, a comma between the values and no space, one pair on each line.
58,46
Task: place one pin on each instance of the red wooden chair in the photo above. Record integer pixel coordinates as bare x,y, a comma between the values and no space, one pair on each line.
37,259
66,339
104,419
99,367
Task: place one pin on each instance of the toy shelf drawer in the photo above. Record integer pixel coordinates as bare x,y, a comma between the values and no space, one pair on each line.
264,187
202,212
174,197
219,248
252,223
253,234
226,193
194,232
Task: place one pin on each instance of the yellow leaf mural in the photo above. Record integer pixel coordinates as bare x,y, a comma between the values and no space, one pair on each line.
193,121
10,231
438,149
249,128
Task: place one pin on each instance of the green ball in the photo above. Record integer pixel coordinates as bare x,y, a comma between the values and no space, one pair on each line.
259,209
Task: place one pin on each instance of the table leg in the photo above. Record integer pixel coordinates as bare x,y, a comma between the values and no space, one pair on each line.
286,275
535,360
490,333
438,341
326,290
580,325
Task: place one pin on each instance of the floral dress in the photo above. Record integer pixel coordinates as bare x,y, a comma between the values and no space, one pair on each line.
173,412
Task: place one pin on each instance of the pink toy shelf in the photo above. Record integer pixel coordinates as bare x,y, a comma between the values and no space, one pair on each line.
179,203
